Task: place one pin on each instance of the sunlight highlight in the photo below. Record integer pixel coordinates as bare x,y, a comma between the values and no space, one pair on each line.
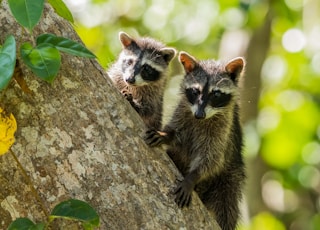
293,40
274,69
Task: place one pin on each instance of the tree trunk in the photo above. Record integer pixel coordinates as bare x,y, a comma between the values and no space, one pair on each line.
78,138
256,54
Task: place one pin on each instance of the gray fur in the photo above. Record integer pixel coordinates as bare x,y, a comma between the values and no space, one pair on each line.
146,97
207,151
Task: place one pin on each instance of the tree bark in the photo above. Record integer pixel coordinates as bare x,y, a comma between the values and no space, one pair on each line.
78,138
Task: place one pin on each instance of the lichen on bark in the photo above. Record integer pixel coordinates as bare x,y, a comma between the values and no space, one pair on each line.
78,138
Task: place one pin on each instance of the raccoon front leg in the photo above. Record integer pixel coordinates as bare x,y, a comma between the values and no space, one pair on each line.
127,95
184,189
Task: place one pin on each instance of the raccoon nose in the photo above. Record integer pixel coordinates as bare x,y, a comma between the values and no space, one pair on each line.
200,114
130,80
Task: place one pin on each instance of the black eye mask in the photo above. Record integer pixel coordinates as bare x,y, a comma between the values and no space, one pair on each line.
219,99
148,73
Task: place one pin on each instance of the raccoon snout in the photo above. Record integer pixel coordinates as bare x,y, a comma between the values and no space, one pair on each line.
131,80
200,111
200,114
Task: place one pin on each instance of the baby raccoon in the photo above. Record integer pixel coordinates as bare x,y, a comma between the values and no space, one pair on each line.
140,75
205,137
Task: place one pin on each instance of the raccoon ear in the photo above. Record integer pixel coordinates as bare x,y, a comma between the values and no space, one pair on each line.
187,61
168,54
235,67
125,39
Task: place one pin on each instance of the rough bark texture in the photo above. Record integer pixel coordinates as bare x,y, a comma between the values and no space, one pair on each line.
78,138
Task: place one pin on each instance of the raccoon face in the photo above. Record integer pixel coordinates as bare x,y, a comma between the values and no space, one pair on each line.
210,86
143,63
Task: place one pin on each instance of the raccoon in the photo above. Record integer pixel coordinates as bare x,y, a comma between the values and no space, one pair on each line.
140,74
204,137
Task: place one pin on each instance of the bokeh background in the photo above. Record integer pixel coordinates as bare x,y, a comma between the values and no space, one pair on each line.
280,96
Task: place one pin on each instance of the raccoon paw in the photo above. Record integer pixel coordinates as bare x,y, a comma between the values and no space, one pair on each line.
154,137
183,194
127,95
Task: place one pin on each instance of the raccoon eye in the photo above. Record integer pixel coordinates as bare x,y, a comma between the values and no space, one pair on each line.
219,99
147,69
195,91
129,62
150,74
192,94
217,93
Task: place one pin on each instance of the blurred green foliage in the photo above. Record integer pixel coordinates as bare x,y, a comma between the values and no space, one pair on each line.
285,134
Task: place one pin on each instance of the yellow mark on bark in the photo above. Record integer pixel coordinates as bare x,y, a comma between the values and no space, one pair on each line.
8,127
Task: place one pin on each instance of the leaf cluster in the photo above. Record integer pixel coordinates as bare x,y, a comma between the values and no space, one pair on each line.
44,59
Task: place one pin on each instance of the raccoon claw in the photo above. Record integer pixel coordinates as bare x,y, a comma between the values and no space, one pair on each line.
127,95
183,195
153,138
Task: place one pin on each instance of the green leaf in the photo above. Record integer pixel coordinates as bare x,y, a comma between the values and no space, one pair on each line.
61,9
27,12
9,47
7,61
25,224
40,226
5,70
65,45
76,210
44,60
